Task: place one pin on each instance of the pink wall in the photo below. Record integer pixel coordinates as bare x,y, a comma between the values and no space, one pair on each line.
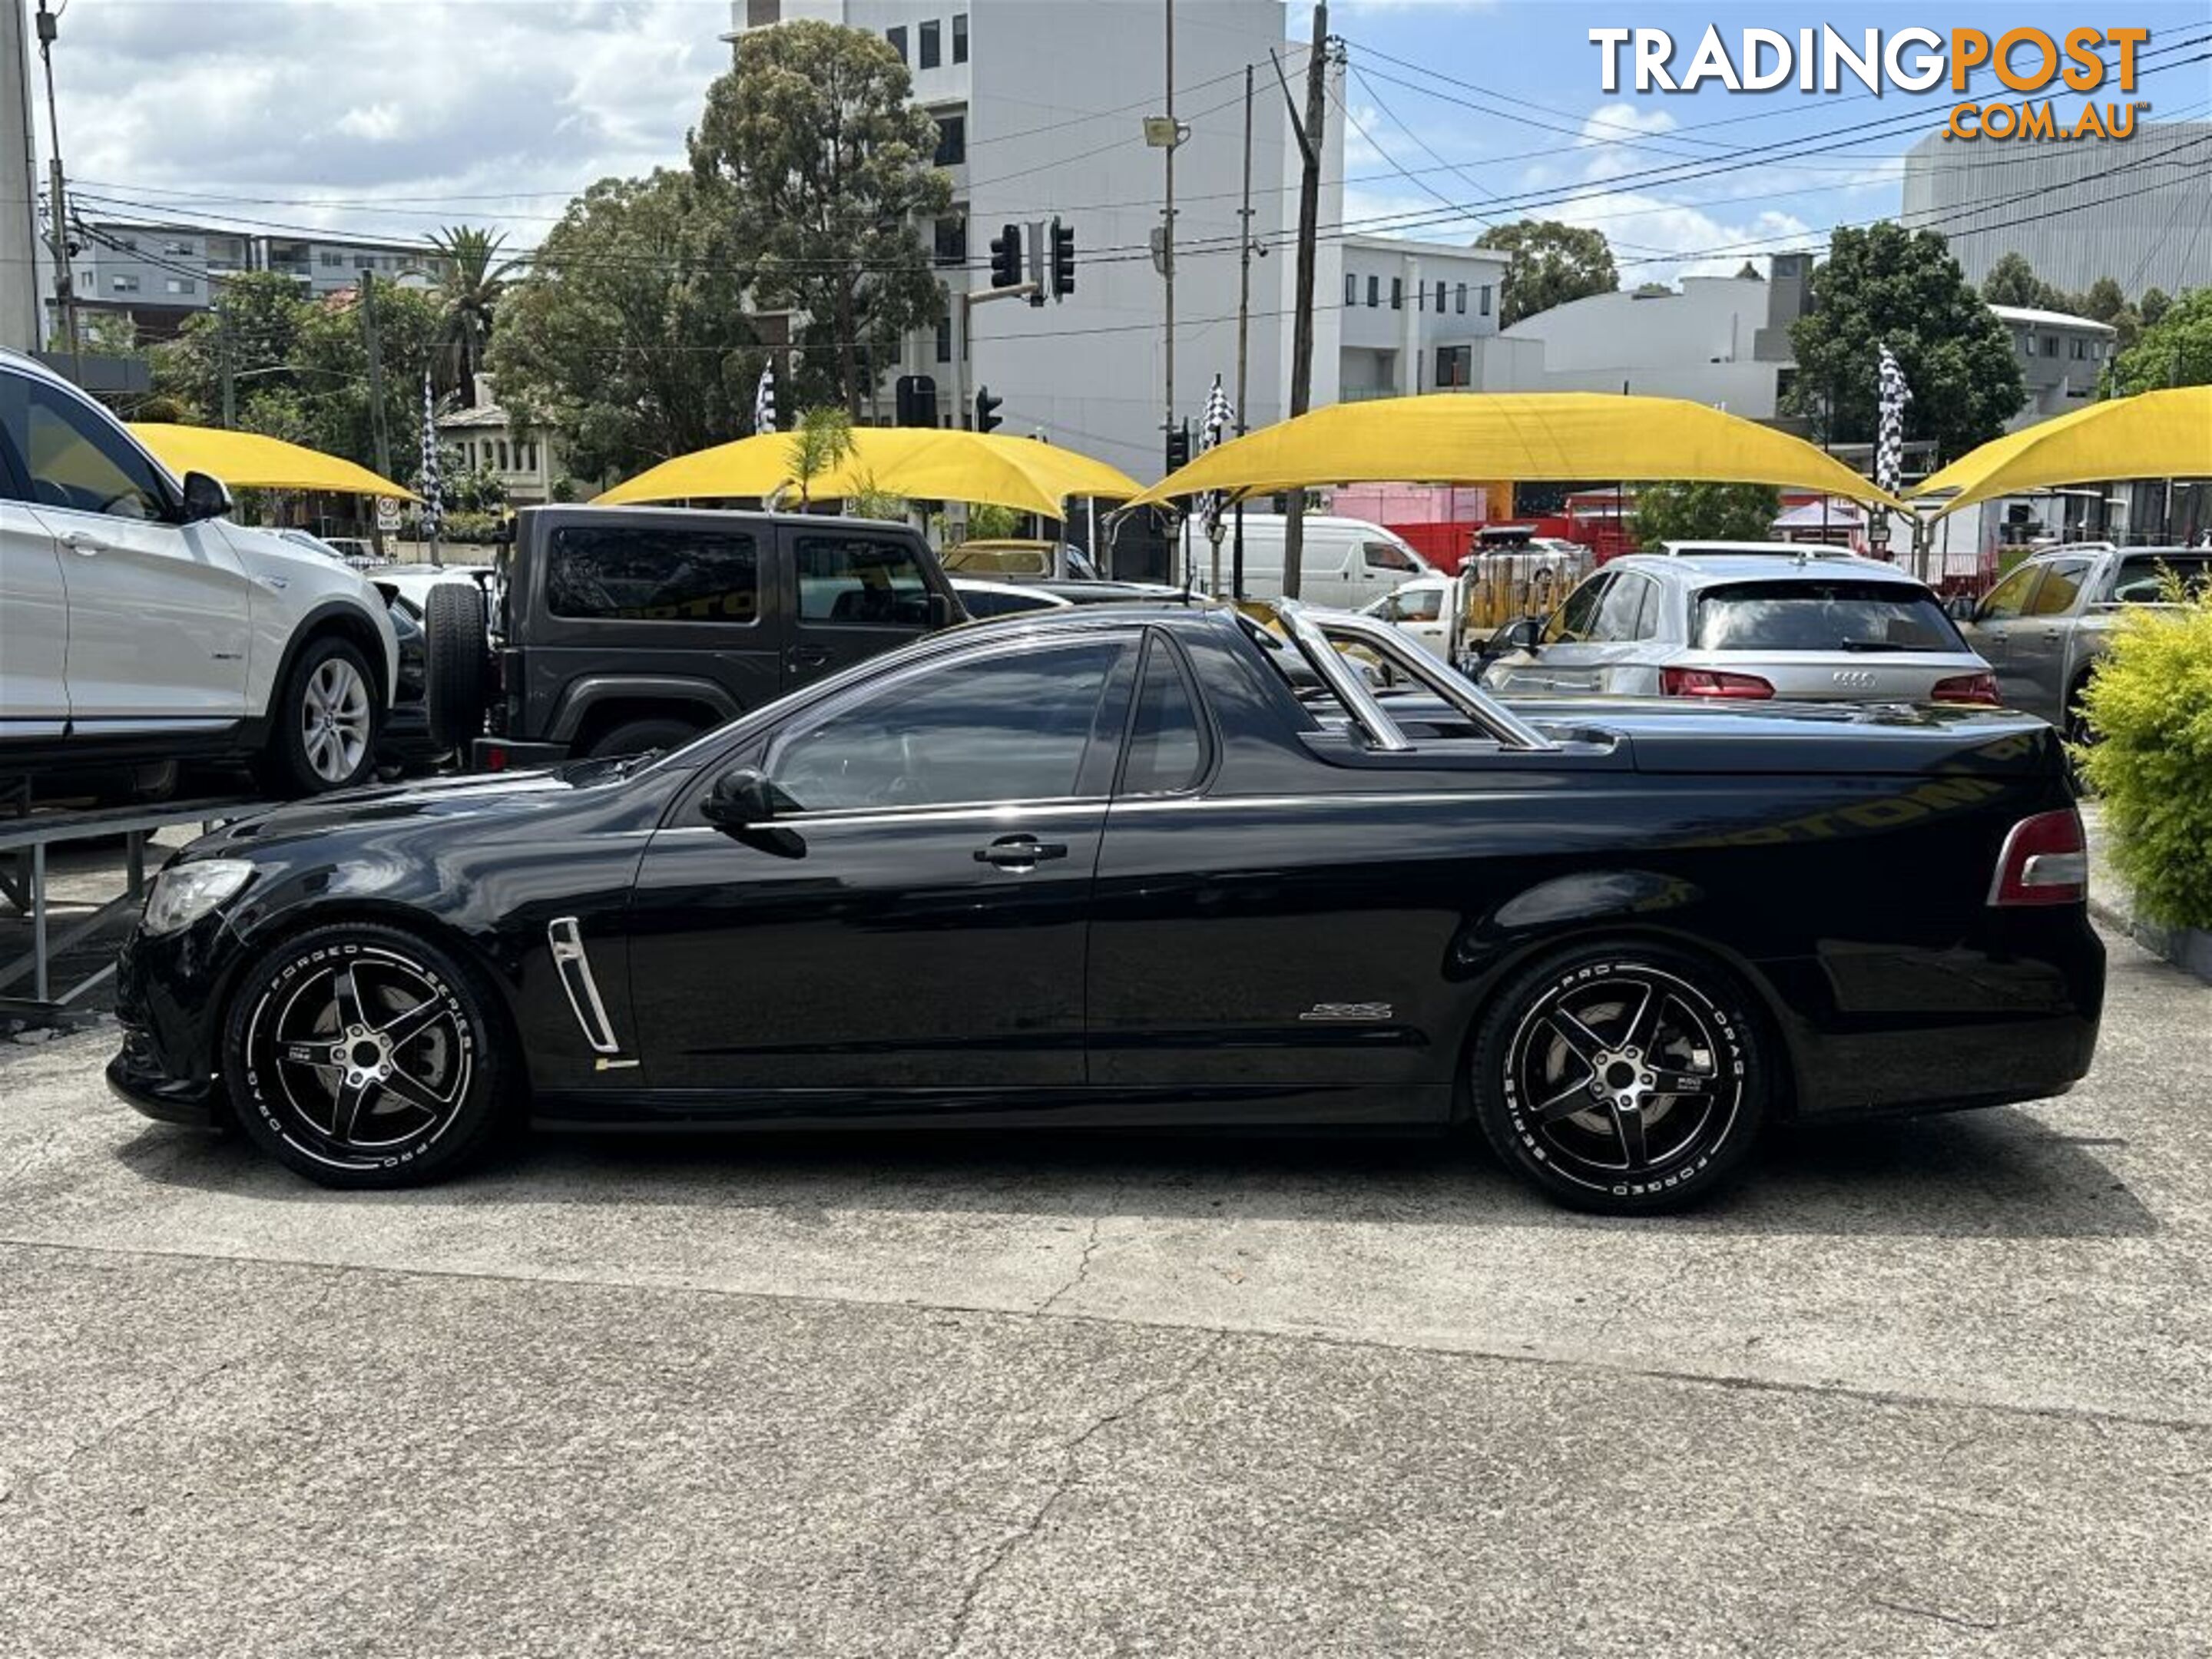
1409,503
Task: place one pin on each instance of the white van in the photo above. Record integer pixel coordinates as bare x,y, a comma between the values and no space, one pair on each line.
1346,563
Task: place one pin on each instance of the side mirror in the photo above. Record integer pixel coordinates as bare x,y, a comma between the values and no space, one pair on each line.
1960,607
740,799
1526,634
940,612
205,497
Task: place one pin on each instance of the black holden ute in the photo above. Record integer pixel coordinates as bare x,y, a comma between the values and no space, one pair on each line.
1136,867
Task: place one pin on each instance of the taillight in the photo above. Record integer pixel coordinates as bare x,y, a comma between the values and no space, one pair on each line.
1980,690
2045,860
1711,683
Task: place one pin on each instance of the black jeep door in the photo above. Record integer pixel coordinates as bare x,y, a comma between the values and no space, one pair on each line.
916,915
857,592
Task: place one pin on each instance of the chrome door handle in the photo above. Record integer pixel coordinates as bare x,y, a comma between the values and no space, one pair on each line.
78,542
1019,852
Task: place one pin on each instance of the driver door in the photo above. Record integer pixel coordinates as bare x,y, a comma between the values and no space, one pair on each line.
916,913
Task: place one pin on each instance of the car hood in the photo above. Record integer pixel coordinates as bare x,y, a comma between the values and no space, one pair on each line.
499,795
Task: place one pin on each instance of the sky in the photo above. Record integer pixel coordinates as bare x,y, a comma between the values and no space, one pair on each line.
395,116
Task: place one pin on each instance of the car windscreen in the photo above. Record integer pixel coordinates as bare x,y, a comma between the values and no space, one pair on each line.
1834,614
2142,578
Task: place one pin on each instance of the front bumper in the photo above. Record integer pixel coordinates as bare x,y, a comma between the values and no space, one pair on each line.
134,1077
166,990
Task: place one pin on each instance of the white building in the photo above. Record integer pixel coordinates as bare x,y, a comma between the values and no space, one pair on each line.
1041,107
2062,357
486,437
1415,315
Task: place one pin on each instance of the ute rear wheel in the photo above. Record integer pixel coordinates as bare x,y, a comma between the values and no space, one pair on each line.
1621,1079
362,1056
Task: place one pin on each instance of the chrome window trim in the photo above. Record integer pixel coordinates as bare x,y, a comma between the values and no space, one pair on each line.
1313,635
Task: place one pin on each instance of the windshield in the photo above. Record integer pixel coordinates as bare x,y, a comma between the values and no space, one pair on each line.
1000,561
1822,616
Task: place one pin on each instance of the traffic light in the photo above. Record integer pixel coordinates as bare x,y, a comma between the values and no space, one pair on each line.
917,400
1062,276
1006,256
987,409
1178,446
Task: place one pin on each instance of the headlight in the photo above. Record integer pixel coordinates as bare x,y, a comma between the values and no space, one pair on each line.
185,892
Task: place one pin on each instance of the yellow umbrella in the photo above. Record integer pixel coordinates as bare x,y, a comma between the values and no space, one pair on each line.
2154,434
924,462
246,460
1541,436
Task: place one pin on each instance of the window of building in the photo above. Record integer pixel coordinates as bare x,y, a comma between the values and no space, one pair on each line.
2051,345
952,140
1351,289
181,285
175,245
1459,300
897,38
654,575
2081,349
931,44
1440,299
502,455
944,339
960,37
1397,293
760,13
126,284
952,239
1374,292
1454,365
1485,299
333,260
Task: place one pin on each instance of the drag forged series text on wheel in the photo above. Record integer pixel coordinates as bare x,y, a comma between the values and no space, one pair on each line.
1621,1079
362,1056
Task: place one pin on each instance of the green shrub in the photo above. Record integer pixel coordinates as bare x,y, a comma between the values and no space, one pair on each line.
2150,706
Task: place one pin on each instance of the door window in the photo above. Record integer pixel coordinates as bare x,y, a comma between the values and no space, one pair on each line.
1006,728
1617,612
1166,752
1420,604
2008,598
2062,586
861,581
1383,556
1572,622
77,460
637,574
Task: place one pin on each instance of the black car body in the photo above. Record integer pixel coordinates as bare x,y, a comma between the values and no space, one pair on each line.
1244,906
619,629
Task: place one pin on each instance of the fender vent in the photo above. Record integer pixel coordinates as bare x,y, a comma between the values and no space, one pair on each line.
574,967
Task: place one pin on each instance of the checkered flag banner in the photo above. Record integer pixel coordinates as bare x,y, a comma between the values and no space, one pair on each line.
1213,427
1889,447
428,486
764,399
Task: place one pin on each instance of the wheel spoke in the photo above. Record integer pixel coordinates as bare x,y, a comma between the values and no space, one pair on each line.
346,1109
1644,1024
1581,1041
403,1025
1629,1124
345,992
415,1093
1574,1099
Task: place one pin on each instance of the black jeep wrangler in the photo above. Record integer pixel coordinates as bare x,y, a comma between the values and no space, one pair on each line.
615,630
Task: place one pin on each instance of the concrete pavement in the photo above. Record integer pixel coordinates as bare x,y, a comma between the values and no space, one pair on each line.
1942,1386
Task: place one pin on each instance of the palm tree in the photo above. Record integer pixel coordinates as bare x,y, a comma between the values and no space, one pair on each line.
820,442
473,278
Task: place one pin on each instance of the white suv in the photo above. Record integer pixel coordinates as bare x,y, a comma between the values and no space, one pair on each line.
138,625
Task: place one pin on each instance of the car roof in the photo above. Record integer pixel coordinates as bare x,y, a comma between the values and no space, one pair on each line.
1702,570
1692,547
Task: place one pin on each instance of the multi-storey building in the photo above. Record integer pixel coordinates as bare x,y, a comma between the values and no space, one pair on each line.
1415,314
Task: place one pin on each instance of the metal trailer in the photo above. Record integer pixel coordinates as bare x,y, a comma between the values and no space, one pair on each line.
24,886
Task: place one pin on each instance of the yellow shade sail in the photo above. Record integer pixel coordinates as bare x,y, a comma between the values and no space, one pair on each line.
2152,435
922,463
1527,437
246,460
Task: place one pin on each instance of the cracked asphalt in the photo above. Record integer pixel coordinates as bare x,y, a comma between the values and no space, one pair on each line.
1938,1388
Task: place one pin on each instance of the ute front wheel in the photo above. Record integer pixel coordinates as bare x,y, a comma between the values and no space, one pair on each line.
1624,1080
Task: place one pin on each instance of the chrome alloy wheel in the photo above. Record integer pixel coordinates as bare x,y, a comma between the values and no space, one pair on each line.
1623,1075
360,1051
334,720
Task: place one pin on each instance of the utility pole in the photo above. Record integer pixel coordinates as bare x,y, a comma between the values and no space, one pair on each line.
1243,330
225,359
1168,421
58,199
375,392
1309,133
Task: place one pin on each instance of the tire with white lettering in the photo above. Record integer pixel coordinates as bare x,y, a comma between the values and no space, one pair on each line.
364,1056
1624,1079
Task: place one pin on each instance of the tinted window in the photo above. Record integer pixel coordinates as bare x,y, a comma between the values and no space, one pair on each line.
652,575
952,140
897,38
930,33
2142,578
1822,616
1165,752
1007,728
960,38
986,600
2008,598
77,460
1381,555
1573,621
863,580
2062,586
1618,611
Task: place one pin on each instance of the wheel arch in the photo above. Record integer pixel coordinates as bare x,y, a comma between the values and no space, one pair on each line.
339,619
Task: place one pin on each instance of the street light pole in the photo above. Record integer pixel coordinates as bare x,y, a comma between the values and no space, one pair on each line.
1243,328
64,279
1168,420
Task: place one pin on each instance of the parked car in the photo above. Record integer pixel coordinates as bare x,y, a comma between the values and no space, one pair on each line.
1696,550
358,551
982,599
616,630
1807,628
1619,940
137,623
1421,610
1019,561
1346,563
2046,624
